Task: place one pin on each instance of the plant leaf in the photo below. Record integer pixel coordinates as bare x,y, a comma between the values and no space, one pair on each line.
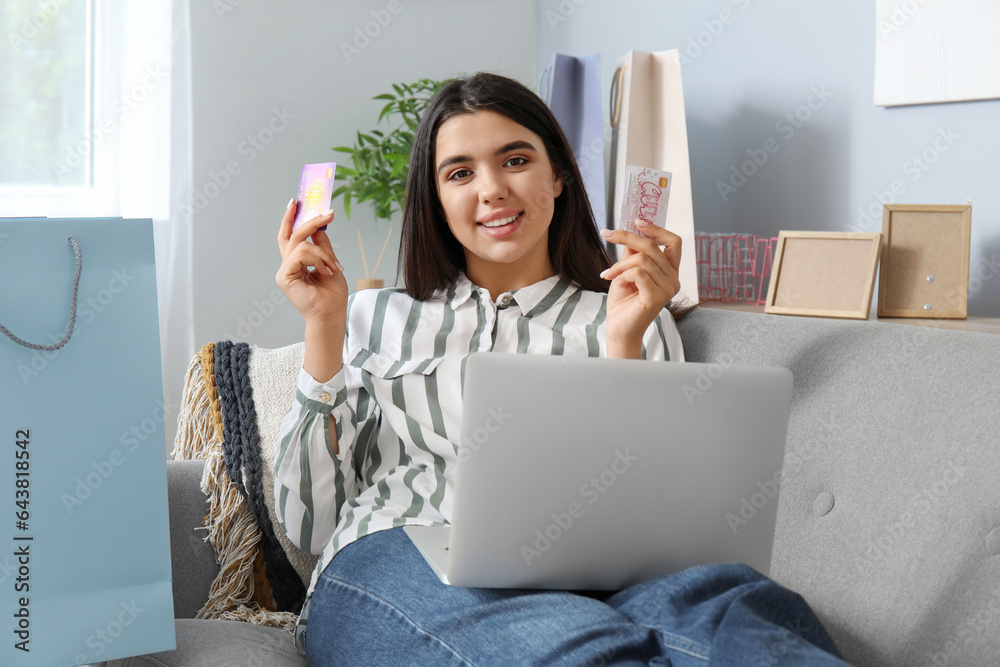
386,110
381,158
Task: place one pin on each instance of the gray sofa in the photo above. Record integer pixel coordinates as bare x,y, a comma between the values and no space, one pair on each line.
889,509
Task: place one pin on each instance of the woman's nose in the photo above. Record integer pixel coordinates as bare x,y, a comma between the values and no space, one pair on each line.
492,187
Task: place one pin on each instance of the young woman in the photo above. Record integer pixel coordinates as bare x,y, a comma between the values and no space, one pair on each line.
499,252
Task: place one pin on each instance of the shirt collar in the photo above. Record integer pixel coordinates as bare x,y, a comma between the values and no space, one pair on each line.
459,292
541,295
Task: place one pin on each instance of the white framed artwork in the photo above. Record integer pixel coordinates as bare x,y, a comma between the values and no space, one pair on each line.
929,51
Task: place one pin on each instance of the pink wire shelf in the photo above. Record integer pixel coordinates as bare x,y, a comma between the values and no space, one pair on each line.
734,267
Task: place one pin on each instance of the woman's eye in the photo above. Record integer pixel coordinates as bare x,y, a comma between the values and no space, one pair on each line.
459,174
517,161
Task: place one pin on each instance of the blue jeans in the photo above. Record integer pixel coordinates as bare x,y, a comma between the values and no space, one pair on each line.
379,603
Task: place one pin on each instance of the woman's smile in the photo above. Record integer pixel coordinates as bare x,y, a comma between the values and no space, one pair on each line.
500,223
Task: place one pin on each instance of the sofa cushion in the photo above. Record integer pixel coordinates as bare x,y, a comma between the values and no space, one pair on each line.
213,643
192,557
889,510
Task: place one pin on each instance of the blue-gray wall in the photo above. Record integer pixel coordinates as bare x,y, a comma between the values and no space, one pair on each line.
751,63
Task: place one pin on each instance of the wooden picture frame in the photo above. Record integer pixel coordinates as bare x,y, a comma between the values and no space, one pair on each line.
925,261
824,274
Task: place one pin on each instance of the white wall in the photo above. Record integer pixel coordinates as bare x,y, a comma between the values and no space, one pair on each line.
277,74
766,60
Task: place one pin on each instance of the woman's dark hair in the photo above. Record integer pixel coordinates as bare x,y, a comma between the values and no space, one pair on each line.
430,257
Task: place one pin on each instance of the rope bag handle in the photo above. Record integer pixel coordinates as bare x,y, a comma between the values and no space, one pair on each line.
72,310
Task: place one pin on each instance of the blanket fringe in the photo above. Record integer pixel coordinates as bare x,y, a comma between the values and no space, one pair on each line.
230,525
233,530
254,614
195,428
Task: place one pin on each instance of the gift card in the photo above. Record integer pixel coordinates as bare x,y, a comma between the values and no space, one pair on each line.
315,191
647,191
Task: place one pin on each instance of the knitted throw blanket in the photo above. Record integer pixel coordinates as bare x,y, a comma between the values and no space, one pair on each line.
262,576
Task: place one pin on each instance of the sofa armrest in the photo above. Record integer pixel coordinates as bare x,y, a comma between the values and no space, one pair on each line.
192,558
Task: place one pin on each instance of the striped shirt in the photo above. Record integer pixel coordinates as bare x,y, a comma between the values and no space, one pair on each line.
396,404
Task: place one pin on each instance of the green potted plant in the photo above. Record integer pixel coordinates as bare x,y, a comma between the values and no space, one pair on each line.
380,160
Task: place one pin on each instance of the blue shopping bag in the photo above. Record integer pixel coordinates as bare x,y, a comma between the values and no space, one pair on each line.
571,86
84,536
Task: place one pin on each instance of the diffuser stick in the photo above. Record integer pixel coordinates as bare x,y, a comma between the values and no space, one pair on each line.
365,261
384,246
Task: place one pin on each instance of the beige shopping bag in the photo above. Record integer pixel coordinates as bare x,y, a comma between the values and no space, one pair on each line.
650,130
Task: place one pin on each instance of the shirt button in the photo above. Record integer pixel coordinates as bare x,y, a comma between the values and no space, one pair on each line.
325,397
505,299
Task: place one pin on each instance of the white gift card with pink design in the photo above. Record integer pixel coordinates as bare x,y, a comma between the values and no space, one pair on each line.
646,194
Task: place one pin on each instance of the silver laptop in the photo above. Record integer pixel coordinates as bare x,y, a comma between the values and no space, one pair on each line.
600,473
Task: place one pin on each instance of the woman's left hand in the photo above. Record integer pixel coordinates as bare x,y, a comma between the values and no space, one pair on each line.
643,282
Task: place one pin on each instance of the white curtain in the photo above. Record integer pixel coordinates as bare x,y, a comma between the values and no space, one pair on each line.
175,237
154,155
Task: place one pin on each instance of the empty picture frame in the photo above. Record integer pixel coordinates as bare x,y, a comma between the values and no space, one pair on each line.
925,261
824,274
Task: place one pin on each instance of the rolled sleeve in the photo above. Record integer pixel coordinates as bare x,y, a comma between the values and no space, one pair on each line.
322,397
311,481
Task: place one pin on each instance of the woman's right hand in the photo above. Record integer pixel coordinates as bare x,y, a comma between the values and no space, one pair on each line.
319,293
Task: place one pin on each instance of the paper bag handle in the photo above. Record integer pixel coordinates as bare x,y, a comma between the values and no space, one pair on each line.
545,84
616,95
72,309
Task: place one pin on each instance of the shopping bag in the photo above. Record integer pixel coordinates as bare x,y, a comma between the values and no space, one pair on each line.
649,129
85,556
571,86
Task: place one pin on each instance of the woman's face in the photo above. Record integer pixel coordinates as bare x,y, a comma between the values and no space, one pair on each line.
498,189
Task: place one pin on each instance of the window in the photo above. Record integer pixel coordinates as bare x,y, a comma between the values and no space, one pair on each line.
58,143
46,86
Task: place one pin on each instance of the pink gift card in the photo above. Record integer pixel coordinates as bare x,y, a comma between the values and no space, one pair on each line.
647,192
315,190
